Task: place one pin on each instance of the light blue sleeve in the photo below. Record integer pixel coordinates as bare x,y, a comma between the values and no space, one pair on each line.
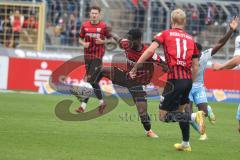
205,57
238,112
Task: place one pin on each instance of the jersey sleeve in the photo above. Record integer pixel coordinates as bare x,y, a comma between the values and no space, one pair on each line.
207,54
237,46
156,58
159,38
82,32
195,52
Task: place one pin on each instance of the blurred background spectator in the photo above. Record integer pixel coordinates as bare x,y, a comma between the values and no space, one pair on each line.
30,29
6,33
206,21
17,20
193,19
211,14
140,11
73,29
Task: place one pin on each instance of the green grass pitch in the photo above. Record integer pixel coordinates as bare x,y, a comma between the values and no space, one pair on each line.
29,130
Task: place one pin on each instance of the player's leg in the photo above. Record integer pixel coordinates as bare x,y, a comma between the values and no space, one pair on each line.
173,107
173,98
83,102
189,108
203,107
193,123
119,78
184,126
94,74
116,75
193,97
200,98
93,70
185,129
139,97
185,106
170,111
207,109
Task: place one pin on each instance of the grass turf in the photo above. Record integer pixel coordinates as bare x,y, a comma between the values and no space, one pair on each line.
29,130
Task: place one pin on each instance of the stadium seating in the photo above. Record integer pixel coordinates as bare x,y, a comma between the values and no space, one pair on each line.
206,21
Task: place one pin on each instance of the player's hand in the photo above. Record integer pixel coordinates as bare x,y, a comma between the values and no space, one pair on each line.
234,23
99,41
216,66
86,44
133,73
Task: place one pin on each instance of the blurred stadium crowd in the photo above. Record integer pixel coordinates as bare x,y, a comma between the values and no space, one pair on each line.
207,21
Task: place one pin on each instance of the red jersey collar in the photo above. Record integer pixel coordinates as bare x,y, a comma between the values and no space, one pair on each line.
93,23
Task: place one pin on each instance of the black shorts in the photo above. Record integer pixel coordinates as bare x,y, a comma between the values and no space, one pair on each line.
175,94
121,78
93,69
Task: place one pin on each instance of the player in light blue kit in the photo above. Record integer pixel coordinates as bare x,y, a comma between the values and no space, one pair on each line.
198,93
232,63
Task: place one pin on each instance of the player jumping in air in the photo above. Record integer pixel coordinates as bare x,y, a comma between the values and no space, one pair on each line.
198,93
181,55
92,36
133,47
232,63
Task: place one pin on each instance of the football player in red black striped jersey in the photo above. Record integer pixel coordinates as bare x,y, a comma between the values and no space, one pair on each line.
118,74
181,55
93,36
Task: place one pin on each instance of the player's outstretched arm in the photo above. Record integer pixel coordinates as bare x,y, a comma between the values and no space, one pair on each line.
233,27
232,63
145,56
148,53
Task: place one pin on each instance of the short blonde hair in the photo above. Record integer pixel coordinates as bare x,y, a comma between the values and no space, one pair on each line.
178,16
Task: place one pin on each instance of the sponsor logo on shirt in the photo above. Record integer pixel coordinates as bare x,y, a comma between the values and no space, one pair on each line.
183,35
93,35
99,29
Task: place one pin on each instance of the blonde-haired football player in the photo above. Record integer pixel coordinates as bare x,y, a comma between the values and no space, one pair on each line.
181,56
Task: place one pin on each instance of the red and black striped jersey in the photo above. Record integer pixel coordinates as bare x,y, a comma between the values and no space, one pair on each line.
90,32
134,55
179,49
144,74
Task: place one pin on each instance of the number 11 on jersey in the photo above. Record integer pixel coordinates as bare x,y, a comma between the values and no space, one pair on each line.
181,55
178,43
